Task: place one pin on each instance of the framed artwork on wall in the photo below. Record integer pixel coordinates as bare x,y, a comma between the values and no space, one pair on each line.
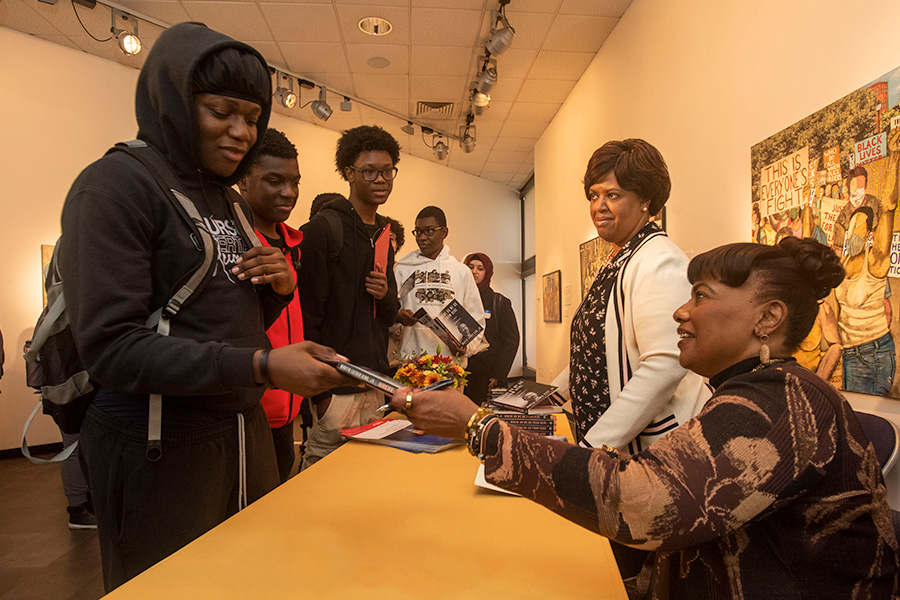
552,299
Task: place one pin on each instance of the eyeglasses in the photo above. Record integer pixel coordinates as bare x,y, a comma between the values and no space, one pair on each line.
426,232
372,174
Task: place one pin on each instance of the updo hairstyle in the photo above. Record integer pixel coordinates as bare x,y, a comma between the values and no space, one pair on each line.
798,272
638,167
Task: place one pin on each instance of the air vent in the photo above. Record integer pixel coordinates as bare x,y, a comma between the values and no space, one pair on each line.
434,109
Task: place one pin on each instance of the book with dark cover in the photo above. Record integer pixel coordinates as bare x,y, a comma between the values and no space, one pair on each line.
523,395
371,378
453,322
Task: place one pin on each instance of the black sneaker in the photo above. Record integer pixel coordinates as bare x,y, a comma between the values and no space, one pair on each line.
80,517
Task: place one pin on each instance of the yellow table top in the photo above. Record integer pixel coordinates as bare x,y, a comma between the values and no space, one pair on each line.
370,521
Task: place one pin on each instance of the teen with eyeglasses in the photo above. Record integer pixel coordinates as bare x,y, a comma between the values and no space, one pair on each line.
347,298
435,278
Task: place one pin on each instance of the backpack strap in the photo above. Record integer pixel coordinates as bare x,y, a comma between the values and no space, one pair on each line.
161,318
63,455
337,231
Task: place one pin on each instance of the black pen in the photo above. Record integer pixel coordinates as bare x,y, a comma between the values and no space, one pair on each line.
437,385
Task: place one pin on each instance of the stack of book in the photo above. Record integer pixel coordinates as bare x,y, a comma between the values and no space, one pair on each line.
525,397
539,424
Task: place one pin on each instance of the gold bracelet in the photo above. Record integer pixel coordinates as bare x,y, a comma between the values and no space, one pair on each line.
474,424
612,452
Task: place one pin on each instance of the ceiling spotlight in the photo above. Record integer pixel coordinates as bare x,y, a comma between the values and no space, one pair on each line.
129,42
320,107
488,76
441,150
345,105
285,95
408,129
480,102
501,38
467,135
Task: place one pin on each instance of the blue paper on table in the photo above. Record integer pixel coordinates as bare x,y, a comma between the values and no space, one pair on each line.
399,433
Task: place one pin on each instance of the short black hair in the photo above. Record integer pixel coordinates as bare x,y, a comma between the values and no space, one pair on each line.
275,143
398,231
638,167
434,212
361,139
322,200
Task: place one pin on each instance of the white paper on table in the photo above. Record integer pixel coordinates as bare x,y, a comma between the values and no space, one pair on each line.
383,430
480,481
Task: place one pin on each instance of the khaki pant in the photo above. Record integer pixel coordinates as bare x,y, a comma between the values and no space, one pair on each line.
344,411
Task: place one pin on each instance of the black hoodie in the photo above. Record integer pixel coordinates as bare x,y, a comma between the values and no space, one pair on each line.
125,250
337,310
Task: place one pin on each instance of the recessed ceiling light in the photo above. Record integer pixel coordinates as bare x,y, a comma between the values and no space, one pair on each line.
378,62
375,26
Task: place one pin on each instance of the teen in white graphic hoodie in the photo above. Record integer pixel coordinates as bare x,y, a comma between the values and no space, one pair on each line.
430,277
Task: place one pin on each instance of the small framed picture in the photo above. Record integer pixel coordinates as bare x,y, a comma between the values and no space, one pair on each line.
552,299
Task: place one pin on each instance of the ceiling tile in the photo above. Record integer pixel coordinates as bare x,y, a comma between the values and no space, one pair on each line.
445,27
271,52
572,33
437,88
350,16
302,22
487,128
370,2
568,66
470,4
539,6
321,57
167,12
62,16
19,16
241,20
545,90
512,159
531,29
446,60
506,90
523,128
517,144
606,8
359,55
381,86
498,177
341,82
515,63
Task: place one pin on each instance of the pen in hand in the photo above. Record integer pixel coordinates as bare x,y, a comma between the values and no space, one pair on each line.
437,385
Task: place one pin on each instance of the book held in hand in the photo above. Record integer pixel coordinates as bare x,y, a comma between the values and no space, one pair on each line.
399,433
454,321
371,378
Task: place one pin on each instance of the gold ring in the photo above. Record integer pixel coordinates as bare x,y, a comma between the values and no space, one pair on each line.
409,396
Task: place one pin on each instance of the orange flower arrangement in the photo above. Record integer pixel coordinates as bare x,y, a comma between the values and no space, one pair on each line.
424,369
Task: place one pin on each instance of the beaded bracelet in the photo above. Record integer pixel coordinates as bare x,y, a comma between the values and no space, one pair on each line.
475,428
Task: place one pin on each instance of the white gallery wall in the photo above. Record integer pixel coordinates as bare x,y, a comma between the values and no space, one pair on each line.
703,81
61,109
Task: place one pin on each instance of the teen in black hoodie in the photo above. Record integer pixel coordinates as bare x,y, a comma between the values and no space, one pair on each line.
201,99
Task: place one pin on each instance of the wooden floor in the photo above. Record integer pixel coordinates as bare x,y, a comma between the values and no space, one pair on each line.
40,557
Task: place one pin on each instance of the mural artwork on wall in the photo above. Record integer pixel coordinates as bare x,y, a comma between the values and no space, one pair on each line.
552,299
833,177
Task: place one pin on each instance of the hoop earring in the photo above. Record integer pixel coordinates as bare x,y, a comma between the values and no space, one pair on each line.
764,355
